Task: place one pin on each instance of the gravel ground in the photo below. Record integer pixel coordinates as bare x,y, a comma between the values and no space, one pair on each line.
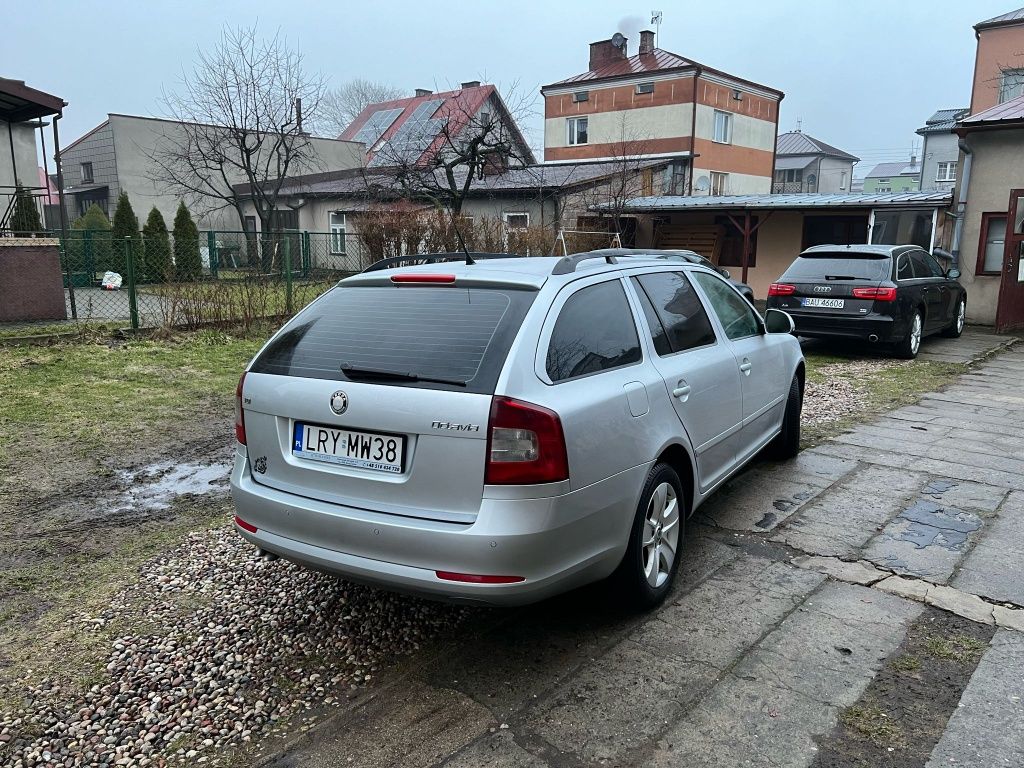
841,394
228,647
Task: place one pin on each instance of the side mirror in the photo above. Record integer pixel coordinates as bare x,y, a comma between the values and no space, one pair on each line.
726,273
777,321
953,273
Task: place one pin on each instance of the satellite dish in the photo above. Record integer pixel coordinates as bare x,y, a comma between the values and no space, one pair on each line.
619,40
703,184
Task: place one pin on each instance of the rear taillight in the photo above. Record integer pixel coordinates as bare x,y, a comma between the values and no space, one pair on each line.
878,294
525,444
781,289
239,415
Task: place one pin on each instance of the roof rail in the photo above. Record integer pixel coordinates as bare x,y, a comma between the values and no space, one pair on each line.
567,264
414,259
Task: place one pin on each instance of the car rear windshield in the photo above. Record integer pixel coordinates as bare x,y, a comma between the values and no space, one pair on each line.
459,335
839,266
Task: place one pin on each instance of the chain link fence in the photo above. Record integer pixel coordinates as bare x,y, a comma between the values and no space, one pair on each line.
219,277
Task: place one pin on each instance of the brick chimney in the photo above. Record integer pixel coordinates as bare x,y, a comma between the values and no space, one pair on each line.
646,41
423,91
603,53
471,84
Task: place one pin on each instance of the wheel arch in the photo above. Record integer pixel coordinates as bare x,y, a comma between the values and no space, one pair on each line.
678,457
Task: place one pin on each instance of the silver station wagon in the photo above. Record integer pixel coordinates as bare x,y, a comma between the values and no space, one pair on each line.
498,430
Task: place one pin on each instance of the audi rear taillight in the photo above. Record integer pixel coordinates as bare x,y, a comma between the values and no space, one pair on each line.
525,444
239,415
781,289
878,294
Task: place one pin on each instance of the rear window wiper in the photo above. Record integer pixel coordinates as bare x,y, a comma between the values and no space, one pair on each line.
354,372
845,277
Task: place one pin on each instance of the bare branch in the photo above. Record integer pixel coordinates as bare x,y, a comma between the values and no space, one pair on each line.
343,104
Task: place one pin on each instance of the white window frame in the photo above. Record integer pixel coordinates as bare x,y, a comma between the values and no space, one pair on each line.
727,122
572,133
723,186
950,167
644,88
337,232
579,96
1011,84
508,228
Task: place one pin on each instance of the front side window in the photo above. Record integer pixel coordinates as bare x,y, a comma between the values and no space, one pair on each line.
737,317
337,232
1011,84
723,127
678,312
993,238
577,128
594,332
946,172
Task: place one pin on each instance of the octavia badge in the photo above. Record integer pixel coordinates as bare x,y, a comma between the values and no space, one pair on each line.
339,402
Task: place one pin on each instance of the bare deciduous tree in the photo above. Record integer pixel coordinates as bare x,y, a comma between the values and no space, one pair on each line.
442,157
343,104
239,124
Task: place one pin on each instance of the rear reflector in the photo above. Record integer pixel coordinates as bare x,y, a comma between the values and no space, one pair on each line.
878,294
781,289
239,415
525,444
244,525
472,578
415,278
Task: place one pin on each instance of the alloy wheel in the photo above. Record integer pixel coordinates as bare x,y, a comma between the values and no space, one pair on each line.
961,316
915,335
661,534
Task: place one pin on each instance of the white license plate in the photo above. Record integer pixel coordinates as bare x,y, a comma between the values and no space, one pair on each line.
366,450
816,302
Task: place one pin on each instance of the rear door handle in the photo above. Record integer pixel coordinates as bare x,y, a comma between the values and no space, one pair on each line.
745,366
682,392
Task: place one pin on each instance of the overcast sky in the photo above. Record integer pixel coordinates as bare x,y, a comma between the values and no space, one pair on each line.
860,75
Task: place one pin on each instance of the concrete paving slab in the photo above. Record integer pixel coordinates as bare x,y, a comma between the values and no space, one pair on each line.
496,750
858,572
838,523
974,342
787,692
987,728
995,567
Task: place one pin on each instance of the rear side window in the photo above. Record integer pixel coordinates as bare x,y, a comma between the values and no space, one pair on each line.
831,266
678,309
457,334
594,332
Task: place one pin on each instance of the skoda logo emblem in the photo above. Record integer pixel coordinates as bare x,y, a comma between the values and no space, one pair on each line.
339,402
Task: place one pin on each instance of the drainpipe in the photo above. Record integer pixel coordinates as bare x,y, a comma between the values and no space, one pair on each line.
961,205
697,72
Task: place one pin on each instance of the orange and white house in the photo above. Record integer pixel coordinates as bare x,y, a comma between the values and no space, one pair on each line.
659,104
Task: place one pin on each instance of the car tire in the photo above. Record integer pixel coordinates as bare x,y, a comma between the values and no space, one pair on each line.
644,576
786,444
910,345
959,320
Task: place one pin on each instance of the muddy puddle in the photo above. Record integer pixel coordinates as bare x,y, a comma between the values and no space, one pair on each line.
156,486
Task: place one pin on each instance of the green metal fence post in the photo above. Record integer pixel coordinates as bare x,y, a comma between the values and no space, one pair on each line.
133,299
288,275
66,255
306,256
211,245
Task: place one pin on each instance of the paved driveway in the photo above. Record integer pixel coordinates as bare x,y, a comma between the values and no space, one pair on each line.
805,624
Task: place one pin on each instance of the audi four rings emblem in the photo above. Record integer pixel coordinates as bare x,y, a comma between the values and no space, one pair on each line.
822,288
339,402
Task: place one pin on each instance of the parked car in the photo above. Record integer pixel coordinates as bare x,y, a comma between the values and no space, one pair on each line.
890,294
503,430
691,256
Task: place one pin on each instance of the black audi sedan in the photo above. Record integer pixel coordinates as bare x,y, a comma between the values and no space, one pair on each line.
890,294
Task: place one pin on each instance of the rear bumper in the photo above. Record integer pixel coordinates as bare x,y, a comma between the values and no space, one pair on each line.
873,327
554,544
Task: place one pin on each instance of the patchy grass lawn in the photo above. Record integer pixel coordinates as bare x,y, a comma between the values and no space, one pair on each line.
845,389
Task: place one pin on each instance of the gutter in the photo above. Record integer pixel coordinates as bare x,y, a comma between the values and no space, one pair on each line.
961,205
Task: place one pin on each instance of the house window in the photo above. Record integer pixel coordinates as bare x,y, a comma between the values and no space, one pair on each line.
87,177
719,183
517,221
992,244
790,175
577,129
723,127
485,118
337,232
1011,84
645,87
885,188
580,96
946,171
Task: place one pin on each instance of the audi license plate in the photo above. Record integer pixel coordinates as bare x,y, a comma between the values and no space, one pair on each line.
366,450
816,302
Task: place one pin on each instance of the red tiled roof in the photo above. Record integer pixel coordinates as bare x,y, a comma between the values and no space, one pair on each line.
659,60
